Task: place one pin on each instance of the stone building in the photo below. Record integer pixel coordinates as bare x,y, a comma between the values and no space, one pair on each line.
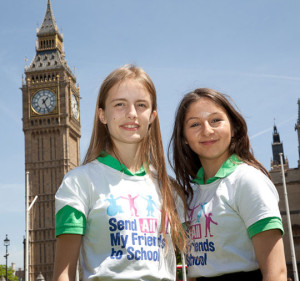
51,125
292,178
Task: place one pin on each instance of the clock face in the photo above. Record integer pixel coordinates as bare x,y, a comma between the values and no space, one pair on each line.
44,101
74,106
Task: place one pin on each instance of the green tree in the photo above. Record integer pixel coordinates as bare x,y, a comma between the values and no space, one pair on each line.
10,273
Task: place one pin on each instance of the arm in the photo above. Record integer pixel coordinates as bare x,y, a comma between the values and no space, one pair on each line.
268,246
66,256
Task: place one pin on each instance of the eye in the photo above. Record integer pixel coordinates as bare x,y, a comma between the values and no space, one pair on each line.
142,105
119,104
195,124
215,122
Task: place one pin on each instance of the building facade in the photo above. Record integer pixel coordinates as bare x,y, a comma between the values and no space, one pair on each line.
51,125
292,178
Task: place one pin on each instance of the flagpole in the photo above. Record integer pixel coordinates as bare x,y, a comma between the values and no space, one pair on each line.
26,225
28,207
293,255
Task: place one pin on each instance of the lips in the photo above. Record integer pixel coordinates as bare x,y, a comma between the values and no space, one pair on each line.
209,142
130,126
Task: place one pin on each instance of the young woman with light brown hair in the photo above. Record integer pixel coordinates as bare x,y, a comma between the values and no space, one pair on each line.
118,208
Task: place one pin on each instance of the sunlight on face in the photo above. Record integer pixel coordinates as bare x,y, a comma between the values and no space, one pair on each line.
128,113
207,130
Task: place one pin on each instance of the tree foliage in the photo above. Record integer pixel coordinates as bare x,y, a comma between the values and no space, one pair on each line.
10,273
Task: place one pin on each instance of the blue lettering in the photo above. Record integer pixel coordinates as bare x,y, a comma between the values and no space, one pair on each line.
130,252
113,226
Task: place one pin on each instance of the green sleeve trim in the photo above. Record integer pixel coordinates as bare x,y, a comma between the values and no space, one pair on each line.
265,224
68,220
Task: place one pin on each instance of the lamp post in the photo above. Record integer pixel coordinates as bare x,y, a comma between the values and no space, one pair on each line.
6,244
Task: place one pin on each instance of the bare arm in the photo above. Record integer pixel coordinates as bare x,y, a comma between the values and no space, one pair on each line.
268,246
66,256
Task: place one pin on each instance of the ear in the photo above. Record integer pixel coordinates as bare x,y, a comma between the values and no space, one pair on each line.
153,116
232,133
101,116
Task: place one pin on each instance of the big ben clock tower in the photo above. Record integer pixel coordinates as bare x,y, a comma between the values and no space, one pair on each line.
51,124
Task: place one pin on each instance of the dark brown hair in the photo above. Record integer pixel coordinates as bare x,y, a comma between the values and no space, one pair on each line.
151,151
185,162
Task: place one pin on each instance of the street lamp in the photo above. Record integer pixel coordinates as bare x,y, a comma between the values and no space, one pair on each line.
6,244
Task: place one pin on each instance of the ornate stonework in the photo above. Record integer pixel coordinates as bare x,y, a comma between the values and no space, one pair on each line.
51,125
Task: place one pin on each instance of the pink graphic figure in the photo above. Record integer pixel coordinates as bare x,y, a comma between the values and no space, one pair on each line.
190,216
133,209
207,224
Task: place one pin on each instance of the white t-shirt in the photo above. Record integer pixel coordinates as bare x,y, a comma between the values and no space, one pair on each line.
220,214
122,240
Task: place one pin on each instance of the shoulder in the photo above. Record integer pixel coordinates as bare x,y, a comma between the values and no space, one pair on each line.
77,179
246,174
249,181
85,170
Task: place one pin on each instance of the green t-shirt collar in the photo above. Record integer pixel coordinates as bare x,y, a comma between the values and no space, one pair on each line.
225,170
112,162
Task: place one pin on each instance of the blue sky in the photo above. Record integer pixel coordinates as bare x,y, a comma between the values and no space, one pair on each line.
249,50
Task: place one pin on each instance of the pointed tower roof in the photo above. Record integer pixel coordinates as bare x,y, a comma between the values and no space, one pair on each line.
50,53
276,137
48,26
277,148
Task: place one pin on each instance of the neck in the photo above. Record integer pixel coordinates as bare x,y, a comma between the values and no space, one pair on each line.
212,166
130,156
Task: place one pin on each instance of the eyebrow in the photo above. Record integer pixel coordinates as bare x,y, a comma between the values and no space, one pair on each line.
192,118
122,99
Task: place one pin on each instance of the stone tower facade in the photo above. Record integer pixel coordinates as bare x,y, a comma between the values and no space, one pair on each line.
292,178
51,125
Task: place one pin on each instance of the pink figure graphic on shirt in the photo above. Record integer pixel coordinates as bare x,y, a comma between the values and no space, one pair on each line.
190,216
133,209
207,224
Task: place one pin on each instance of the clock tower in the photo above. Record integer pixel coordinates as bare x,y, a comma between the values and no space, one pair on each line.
51,125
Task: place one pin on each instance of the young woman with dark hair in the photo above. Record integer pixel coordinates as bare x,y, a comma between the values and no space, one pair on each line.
233,218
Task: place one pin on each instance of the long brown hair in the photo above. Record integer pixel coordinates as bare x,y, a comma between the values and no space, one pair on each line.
151,148
185,162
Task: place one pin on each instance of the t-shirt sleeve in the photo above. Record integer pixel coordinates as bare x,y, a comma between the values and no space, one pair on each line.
69,221
265,224
256,197
71,204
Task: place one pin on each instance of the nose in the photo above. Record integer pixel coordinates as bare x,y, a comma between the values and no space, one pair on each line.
207,130
131,112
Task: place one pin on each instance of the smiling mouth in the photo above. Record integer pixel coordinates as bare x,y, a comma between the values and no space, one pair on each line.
208,142
134,126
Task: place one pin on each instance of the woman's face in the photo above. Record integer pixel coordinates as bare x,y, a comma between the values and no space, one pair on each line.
128,113
208,131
